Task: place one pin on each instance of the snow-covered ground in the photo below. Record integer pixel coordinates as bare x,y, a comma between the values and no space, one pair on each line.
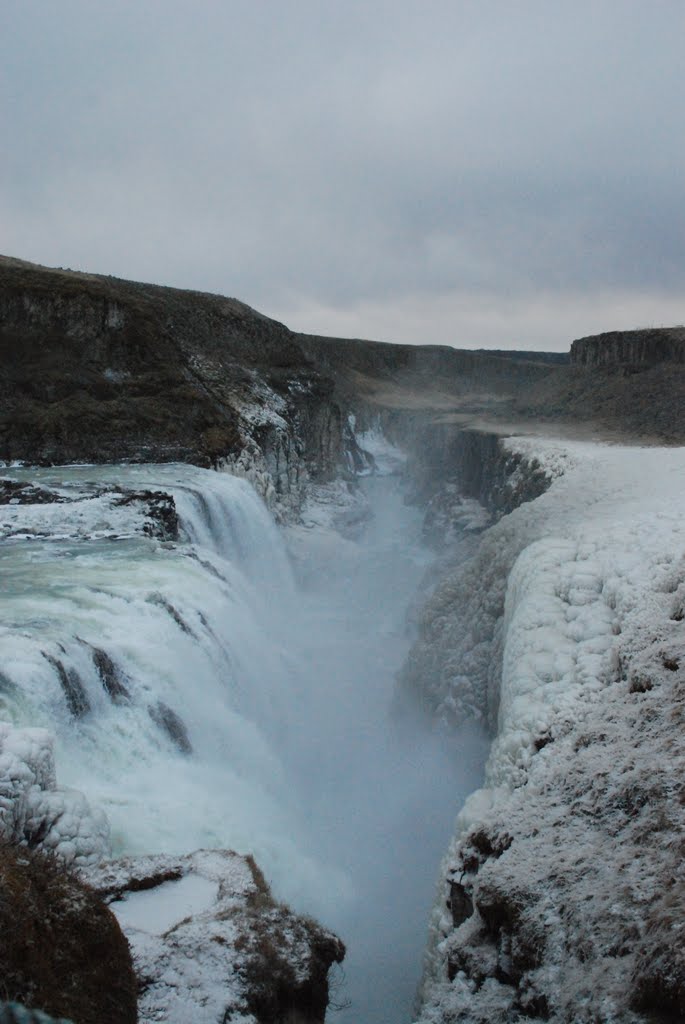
567,627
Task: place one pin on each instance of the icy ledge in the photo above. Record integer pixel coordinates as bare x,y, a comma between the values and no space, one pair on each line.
563,893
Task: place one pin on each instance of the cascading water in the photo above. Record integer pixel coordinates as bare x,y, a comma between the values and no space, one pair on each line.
203,697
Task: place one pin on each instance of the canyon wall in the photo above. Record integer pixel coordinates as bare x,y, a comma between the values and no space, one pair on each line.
563,630
100,370
636,348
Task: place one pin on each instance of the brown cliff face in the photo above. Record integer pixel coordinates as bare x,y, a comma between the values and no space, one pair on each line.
102,370
637,348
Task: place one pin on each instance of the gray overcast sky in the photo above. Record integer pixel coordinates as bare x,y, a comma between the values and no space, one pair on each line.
499,174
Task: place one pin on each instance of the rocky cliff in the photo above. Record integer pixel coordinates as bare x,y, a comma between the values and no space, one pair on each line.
97,369
100,370
632,348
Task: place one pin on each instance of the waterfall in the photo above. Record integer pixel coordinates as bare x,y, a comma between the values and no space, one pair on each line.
203,697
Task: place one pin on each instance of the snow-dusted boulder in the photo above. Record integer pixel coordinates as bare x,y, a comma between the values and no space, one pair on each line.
212,946
35,812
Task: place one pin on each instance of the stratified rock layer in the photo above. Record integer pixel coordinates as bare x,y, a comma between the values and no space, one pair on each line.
635,348
100,370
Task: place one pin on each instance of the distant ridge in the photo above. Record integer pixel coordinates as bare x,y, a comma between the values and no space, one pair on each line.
98,369
558,358
646,347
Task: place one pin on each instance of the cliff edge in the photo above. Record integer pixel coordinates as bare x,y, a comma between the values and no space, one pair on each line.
639,348
96,369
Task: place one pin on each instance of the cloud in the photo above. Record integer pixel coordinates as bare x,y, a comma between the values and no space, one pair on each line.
352,155
545,322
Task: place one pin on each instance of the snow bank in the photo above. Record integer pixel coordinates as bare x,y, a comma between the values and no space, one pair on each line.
566,629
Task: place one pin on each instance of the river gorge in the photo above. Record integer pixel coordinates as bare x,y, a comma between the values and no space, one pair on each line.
313,601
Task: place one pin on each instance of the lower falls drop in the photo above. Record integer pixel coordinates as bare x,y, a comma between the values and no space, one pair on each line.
233,687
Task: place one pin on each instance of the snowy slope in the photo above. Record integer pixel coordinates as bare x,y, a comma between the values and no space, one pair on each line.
562,894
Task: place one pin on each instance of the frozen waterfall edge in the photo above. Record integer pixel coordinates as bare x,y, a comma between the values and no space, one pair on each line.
564,630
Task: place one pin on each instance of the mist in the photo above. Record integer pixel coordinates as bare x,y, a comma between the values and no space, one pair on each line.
379,793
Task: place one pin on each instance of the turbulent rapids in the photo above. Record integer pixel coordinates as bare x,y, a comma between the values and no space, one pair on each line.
212,682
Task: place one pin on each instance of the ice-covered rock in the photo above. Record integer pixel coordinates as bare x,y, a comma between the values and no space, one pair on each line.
571,856
210,944
79,509
35,812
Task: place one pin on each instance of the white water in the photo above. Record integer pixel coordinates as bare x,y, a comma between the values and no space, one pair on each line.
284,689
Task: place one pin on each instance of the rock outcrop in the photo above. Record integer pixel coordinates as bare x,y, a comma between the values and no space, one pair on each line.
210,943
644,347
61,949
100,370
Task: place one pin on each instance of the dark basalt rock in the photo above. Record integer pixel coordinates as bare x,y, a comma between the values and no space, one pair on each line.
15,492
111,677
100,370
639,348
162,517
172,724
72,687
460,903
